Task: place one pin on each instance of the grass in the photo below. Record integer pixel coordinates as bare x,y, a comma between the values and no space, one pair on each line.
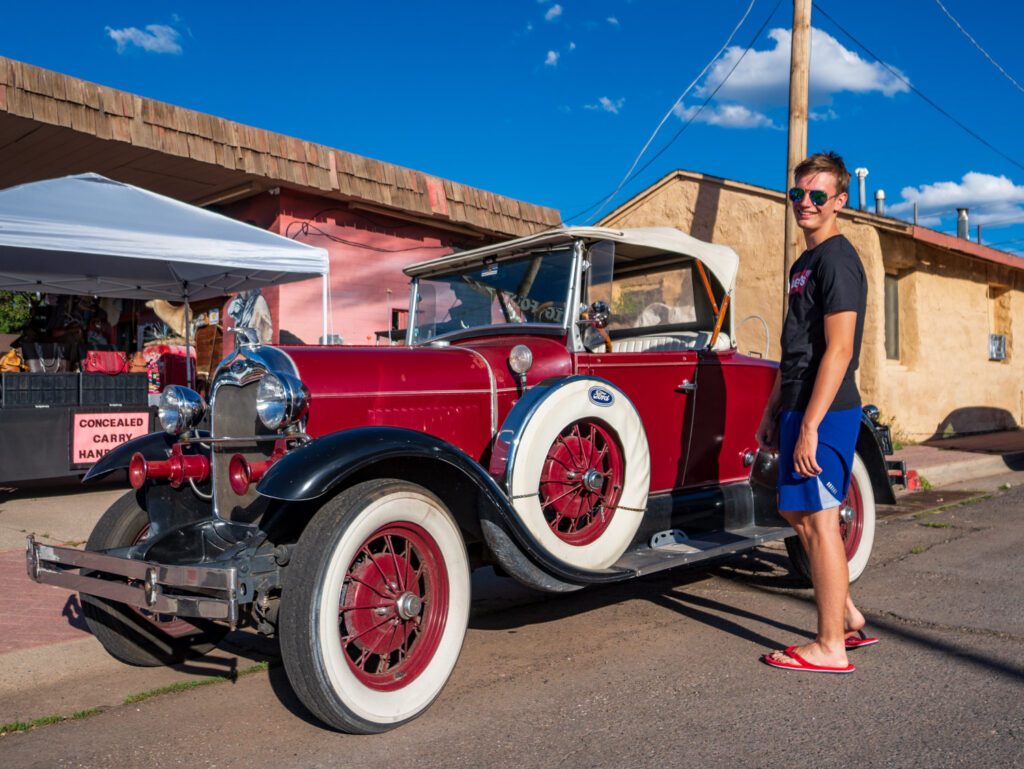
184,686
925,483
936,524
180,686
917,550
20,726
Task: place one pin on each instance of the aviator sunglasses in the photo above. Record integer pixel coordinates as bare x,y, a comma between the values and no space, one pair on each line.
818,197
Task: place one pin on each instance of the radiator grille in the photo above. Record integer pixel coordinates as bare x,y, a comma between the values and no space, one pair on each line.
234,415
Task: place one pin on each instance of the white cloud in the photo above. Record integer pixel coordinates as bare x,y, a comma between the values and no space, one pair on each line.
762,77
992,199
572,46
553,12
552,59
613,21
158,38
829,114
725,115
608,105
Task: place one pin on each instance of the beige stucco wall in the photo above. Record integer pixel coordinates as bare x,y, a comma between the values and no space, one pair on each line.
946,314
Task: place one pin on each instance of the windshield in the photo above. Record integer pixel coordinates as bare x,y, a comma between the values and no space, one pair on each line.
532,289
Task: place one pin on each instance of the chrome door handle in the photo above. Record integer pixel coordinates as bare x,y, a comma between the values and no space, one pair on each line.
686,387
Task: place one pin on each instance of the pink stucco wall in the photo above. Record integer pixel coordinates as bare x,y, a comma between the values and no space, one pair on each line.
367,253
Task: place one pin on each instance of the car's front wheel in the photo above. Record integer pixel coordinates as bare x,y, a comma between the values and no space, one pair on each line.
856,525
375,606
131,635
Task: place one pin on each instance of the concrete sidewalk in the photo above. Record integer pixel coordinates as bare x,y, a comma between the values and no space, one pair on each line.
50,664
961,460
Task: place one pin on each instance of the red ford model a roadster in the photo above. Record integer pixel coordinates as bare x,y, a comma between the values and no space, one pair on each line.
569,407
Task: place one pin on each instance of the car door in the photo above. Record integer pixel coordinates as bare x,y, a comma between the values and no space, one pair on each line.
660,383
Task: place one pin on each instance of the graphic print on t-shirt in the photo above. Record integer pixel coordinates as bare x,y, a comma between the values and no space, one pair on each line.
799,282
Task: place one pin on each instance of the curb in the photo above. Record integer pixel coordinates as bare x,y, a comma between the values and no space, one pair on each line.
971,469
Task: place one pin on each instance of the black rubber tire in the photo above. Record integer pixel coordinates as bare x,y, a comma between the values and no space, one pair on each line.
861,485
129,635
341,540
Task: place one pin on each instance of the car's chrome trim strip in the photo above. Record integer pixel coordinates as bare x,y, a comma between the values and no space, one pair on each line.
493,390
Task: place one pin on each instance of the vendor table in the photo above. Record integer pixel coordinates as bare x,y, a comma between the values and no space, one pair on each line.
60,424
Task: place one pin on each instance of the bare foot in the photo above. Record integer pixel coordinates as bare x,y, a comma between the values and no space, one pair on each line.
853,620
813,653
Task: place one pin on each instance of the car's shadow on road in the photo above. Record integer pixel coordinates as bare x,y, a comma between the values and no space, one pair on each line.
669,589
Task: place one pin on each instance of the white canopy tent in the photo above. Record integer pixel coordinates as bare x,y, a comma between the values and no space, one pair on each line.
90,235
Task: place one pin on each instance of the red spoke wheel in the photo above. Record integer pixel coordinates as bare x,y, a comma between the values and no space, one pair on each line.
856,526
394,606
851,520
375,606
581,482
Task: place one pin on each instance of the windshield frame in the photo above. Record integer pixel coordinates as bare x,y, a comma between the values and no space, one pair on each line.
572,290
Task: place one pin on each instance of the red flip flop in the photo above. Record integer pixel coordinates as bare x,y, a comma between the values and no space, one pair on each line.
859,641
802,664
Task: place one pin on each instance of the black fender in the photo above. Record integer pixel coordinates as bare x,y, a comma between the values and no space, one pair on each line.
321,466
153,447
872,454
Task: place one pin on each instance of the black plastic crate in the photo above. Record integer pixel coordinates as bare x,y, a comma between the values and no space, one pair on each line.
123,389
59,389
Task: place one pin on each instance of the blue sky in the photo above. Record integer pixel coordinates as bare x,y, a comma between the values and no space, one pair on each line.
551,101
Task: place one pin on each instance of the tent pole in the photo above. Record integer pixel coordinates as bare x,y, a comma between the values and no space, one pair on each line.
188,339
323,310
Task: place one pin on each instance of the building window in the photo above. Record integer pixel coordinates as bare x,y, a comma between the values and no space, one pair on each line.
999,322
892,318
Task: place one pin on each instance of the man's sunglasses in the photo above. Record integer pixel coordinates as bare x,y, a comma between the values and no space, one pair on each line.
818,197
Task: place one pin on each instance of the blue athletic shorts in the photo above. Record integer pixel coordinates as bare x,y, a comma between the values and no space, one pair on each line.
837,439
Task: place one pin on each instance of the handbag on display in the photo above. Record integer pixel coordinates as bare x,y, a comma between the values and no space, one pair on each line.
106,362
139,364
45,357
12,362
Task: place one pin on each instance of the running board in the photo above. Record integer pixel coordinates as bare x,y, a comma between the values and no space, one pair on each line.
648,560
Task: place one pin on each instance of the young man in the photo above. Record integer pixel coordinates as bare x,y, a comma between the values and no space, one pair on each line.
813,414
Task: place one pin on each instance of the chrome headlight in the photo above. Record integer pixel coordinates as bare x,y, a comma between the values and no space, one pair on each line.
180,409
281,400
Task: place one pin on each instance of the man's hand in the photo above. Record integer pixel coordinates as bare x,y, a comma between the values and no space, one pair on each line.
768,433
805,452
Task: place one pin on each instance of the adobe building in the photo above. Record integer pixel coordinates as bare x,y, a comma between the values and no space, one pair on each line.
372,217
937,355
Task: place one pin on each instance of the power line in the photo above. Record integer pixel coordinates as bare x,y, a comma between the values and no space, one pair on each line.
672,108
983,51
693,117
898,76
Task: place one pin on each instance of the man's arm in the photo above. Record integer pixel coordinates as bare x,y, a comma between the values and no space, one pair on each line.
840,328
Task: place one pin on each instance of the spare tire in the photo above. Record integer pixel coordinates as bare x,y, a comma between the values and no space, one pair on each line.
578,469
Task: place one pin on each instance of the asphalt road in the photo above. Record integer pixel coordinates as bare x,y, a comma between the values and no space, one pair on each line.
662,672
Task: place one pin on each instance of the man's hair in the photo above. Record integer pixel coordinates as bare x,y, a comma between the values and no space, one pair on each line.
825,163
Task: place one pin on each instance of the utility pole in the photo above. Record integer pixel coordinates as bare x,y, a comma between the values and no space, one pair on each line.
799,77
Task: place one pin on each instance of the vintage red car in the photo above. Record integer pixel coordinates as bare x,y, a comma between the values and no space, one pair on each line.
569,408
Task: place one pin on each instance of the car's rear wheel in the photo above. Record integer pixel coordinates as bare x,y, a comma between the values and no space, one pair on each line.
131,635
375,606
856,526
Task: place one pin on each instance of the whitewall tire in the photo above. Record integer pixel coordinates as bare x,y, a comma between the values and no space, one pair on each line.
375,606
580,473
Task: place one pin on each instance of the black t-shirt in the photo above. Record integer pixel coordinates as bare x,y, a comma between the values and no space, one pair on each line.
825,279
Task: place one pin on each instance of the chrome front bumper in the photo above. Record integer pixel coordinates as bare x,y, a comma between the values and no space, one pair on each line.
185,591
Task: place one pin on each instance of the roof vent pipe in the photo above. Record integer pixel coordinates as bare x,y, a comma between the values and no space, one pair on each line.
880,202
861,173
962,226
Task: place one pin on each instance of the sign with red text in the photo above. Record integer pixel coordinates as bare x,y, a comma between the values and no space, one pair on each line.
93,435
